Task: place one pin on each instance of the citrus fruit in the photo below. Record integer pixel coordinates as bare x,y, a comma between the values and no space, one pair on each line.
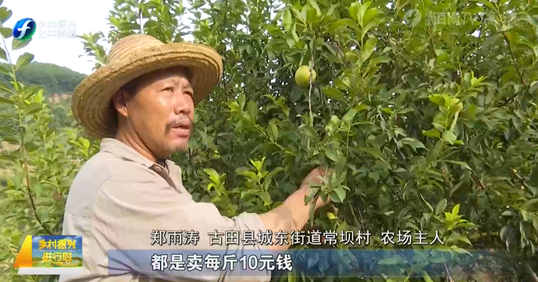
302,76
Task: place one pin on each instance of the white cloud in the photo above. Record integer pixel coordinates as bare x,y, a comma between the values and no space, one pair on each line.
88,16
36,240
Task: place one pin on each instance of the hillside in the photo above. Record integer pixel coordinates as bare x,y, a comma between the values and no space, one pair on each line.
55,79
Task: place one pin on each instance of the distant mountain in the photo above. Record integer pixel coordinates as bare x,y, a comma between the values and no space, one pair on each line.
53,78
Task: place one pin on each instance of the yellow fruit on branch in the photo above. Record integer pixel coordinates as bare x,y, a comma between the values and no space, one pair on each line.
303,74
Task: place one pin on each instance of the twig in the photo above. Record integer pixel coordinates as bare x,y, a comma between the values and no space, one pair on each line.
355,216
478,181
310,91
512,55
521,179
514,59
28,189
448,277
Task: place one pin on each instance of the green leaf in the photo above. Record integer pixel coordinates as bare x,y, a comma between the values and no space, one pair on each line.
449,137
272,131
440,207
252,109
296,93
287,20
213,175
438,99
361,107
487,3
374,176
242,101
264,196
292,277
533,180
24,59
341,23
529,204
437,259
369,15
426,202
6,101
3,54
348,117
379,60
367,49
400,169
460,250
5,14
85,143
340,194
314,4
509,213
4,70
433,133
17,44
6,89
269,178
374,152
456,210
331,215
334,94
32,109
462,164
6,32
392,261
331,154
413,143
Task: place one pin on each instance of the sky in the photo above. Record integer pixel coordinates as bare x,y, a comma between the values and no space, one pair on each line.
80,16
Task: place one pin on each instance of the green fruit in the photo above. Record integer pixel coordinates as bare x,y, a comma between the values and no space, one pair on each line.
302,76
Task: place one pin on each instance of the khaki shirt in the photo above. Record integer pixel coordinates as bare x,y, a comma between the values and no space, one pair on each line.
119,197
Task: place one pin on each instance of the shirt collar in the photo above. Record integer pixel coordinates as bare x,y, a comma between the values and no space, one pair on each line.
116,147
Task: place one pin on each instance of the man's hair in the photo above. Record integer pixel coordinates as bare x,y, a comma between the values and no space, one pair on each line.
131,87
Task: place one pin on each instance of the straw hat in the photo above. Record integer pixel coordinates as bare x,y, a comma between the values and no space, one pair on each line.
131,57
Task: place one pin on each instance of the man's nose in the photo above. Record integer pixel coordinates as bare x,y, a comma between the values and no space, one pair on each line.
183,103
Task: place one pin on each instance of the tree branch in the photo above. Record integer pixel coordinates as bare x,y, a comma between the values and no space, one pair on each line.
531,272
29,190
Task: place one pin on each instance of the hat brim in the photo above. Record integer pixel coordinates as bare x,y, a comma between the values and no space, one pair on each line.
91,98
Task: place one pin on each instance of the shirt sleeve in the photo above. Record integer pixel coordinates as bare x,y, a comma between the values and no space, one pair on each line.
128,208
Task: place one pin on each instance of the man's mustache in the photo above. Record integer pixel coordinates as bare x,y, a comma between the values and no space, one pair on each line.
181,120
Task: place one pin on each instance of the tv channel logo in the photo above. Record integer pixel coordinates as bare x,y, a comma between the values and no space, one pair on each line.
24,29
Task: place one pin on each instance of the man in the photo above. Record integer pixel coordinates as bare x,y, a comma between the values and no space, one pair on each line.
142,105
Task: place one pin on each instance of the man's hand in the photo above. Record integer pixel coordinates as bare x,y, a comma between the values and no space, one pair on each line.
293,214
312,179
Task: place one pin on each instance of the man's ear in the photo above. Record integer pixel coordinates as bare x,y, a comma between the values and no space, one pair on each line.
120,103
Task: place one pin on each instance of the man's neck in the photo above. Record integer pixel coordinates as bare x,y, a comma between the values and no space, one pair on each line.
161,163
139,146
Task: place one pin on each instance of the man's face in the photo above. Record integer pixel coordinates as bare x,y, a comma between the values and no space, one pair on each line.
161,111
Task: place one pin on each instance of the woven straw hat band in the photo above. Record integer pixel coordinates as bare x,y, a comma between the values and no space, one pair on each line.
129,45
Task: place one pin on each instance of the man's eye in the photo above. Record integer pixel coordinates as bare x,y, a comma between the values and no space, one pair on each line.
169,89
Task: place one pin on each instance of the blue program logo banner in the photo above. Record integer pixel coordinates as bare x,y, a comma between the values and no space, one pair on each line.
43,255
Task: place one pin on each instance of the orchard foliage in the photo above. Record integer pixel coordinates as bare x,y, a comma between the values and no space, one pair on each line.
425,109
